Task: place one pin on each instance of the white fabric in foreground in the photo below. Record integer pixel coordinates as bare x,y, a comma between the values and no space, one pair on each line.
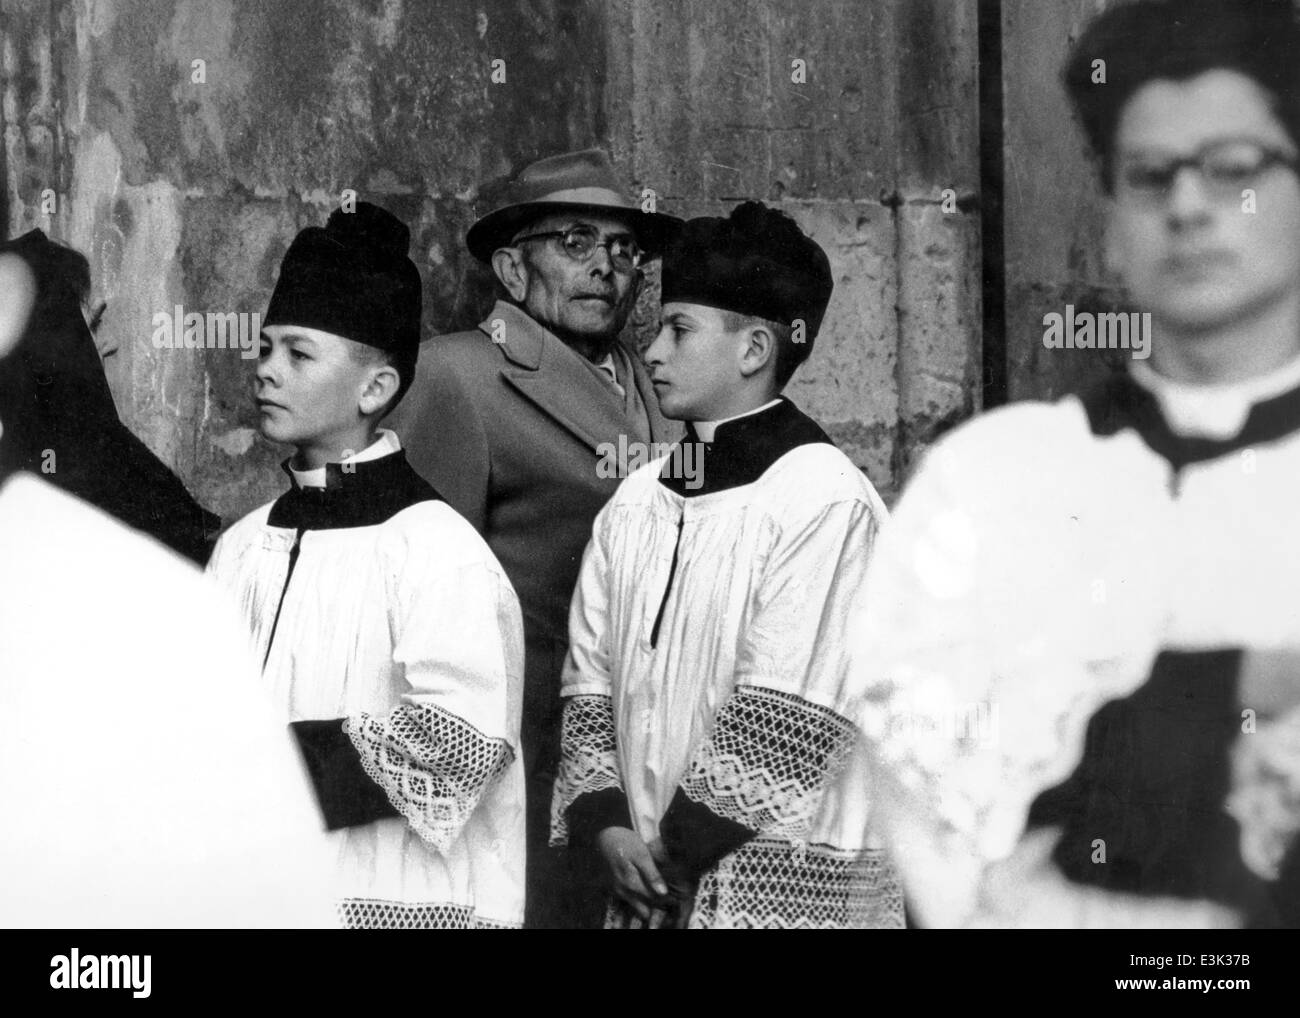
1032,572
144,780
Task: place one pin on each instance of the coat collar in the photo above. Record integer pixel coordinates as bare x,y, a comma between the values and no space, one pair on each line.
517,336
546,372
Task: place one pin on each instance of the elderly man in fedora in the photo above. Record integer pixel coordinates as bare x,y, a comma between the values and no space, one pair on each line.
513,423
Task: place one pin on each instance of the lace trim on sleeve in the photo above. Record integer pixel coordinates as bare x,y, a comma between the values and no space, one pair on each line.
767,760
433,766
381,914
588,762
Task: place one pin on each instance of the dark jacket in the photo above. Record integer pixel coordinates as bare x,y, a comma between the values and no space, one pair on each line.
508,433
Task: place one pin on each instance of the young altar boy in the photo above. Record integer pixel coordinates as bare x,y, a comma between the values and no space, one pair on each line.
708,755
386,628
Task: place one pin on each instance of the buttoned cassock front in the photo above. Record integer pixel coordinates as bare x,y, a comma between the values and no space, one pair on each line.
508,424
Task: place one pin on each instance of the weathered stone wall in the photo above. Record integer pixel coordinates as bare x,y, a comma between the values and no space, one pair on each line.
703,107
1053,214
187,192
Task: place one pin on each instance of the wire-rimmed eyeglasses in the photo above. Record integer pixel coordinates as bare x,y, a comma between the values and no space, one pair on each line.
581,242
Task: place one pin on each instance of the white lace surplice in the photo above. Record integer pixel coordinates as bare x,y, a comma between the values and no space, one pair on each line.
743,701
411,631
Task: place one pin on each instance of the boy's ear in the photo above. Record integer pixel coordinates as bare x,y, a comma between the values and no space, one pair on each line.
508,264
380,388
759,349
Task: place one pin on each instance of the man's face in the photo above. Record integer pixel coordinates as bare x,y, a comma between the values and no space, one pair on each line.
589,300
694,363
1197,260
309,387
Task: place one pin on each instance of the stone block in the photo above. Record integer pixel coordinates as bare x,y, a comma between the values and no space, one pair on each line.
939,319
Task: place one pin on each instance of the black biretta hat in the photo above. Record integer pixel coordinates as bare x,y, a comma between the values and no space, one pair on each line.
353,278
755,262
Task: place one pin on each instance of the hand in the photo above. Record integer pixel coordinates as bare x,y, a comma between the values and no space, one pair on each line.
681,887
634,878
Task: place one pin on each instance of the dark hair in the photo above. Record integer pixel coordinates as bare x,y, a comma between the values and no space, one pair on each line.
1147,40
789,354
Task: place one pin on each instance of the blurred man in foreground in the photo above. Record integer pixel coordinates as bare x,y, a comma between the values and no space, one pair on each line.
1111,579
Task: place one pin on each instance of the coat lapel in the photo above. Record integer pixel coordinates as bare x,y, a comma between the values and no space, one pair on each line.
550,376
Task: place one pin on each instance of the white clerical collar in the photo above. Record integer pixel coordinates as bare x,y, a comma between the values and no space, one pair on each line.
386,444
1213,411
705,429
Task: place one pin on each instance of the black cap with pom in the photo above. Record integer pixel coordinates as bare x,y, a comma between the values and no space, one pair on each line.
755,262
353,278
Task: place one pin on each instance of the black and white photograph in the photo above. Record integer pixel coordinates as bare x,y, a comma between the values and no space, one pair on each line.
649,465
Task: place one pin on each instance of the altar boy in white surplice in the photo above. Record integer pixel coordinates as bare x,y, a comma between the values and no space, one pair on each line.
708,760
387,630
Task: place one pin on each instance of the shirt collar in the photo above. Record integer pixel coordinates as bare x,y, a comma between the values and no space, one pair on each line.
386,444
1213,411
706,430
607,368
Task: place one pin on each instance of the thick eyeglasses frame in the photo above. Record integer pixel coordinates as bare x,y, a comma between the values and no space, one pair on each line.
1226,188
587,237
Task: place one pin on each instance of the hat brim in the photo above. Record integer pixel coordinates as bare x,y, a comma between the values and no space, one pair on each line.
654,230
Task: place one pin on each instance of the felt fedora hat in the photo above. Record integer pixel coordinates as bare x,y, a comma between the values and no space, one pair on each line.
572,182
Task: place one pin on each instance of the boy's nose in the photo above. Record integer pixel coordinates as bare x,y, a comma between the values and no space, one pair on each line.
654,352
265,372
